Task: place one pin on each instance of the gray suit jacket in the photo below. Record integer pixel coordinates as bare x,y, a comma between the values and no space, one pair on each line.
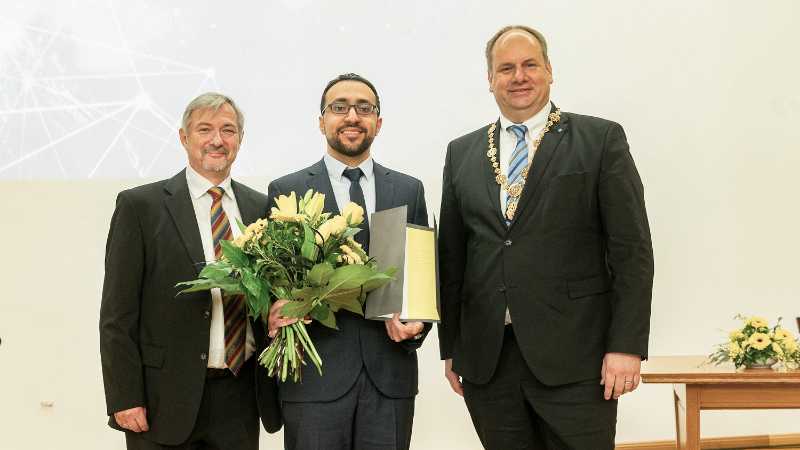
358,342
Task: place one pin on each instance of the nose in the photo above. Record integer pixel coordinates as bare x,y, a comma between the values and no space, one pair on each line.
351,115
519,74
216,139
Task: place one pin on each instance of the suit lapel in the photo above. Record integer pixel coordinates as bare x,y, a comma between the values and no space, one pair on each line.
248,207
384,187
179,204
541,161
492,188
319,180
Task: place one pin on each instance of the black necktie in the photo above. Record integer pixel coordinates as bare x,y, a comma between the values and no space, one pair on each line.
357,196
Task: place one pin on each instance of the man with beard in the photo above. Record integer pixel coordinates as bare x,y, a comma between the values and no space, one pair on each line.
547,267
180,372
365,397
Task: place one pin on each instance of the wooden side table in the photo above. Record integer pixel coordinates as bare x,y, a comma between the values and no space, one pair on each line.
698,386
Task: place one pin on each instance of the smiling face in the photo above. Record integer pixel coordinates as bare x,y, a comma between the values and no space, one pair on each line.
212,142
349,135
520,77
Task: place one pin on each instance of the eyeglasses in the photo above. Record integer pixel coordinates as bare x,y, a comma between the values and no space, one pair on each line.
342,108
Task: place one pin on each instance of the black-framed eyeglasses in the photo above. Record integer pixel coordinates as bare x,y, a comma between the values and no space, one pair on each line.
342,108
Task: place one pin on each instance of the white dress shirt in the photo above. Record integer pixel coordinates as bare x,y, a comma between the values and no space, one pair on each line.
508,142
341,184
201,200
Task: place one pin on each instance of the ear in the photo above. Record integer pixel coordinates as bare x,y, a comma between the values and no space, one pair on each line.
322,125
549,72
182,136
489,78
378,125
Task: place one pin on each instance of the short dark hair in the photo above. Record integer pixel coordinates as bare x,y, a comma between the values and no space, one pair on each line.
535,33
349,77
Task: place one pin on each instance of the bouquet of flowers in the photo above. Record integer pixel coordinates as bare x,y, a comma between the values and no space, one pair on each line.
756,344
301,254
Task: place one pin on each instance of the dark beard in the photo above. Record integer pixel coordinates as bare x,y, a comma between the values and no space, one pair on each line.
337,144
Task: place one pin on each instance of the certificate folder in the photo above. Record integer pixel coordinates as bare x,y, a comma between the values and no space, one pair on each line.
412,250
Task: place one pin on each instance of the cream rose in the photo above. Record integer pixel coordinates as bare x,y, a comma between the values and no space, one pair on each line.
353,213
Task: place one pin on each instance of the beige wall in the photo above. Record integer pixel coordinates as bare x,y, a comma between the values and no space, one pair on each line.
52,275
706,90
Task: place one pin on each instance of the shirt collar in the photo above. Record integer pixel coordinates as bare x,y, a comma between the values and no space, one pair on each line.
536,121
336,167
199,185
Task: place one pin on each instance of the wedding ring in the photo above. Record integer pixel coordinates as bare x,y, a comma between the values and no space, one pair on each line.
628,382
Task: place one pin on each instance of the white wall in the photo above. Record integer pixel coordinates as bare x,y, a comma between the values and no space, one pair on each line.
705,90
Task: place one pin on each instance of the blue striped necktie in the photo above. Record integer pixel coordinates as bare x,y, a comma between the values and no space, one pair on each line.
519,159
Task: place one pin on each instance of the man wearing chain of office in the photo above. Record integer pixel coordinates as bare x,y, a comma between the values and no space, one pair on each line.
547,267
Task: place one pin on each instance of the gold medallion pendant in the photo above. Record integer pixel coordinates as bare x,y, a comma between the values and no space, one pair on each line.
515,191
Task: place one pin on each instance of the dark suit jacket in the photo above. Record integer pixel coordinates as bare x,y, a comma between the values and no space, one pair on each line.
575,267
358,343
154,345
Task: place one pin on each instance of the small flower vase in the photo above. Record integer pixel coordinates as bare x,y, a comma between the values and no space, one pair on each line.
761,363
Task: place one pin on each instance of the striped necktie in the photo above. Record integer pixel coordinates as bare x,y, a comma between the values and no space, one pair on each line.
233,306
519,159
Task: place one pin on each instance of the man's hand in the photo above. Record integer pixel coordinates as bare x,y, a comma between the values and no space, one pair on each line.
452,377
276,320
399,331
134,419
620,374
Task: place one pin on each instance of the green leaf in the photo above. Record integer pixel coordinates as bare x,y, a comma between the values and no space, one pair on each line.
216,271
306,293
324,315
347,299
309,248
196,285
297,309
240,225
350,276
234,254
380,279
320,274
258,289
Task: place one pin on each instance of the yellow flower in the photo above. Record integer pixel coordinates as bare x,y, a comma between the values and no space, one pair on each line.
350,256
757,322
777,348
759,341
790,345
735,335
782,334
734,350
287,209
240,241
314,207
353,213
333,226
255,228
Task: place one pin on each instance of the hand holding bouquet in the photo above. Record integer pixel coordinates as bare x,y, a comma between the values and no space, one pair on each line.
303,255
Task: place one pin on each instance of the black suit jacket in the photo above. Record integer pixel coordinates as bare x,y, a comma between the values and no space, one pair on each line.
575,267
358,343
154,345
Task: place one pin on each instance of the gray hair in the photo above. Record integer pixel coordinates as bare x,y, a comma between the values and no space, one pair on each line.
537,35
214,101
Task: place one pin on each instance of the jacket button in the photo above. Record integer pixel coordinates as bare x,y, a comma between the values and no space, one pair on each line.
206,314
502,289
203,356
507,243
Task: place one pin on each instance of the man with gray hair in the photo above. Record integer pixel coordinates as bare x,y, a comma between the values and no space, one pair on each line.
548,266
181,372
